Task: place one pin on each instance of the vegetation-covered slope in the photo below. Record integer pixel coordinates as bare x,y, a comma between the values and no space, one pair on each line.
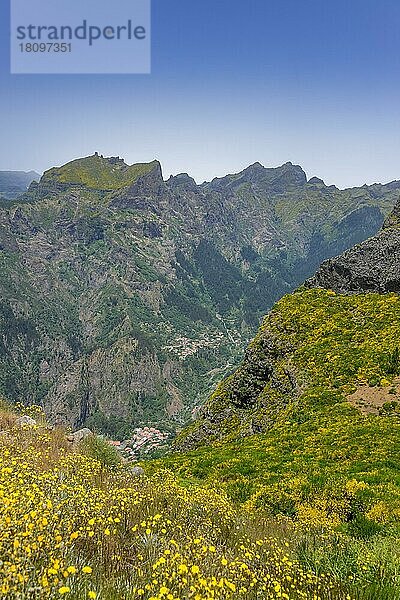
97,173
76,523
282,436
326,345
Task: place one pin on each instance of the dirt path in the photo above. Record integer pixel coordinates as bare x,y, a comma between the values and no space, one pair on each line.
369,400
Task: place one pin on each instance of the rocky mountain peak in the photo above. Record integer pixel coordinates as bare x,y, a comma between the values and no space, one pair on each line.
100,173
372,266
295,170
255,169
393,220
182,180
275,180
286,176
316,181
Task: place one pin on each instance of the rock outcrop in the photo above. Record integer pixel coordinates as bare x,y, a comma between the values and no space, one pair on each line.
78,436
25,420
372,266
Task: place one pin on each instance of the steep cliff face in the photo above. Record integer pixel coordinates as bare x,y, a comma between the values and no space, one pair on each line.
251,399
372,266
125,298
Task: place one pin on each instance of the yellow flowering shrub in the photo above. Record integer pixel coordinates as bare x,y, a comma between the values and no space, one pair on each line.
71,528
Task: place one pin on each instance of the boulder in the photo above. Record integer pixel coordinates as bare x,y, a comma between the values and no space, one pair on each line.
25,420
137,471
79,435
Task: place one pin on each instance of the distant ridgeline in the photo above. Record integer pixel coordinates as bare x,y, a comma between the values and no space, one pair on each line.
125,298
14,183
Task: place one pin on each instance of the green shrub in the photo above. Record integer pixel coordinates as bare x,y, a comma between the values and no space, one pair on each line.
363,528
389,408
390,362
98,448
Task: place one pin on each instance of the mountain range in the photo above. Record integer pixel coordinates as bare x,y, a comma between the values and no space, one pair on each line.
286,482
125,297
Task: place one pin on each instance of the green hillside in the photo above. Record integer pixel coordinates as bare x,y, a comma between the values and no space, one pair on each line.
329,345
99,173
283,435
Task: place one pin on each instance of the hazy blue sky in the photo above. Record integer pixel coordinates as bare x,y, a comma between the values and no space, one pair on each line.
316,82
